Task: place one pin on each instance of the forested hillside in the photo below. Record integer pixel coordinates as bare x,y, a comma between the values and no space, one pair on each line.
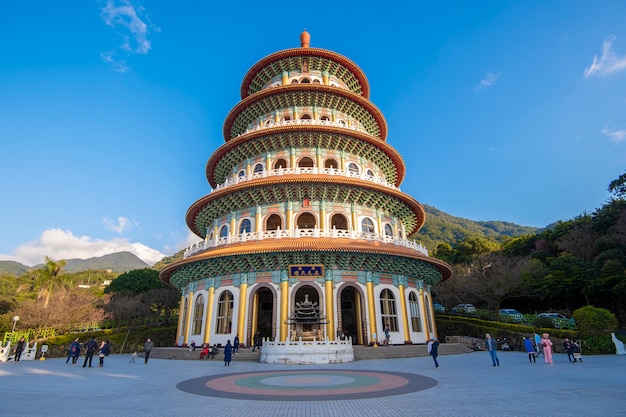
441,227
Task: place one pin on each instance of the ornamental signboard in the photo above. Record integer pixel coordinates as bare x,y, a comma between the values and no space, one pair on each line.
299,271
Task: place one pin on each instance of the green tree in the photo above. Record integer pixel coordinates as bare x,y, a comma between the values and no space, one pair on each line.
135,282
618,187
49,277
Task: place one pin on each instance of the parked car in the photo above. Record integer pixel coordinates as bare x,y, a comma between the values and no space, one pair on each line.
511,315
559,321
464,308
439,308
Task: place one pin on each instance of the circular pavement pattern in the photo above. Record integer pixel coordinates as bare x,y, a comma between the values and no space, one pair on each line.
307,385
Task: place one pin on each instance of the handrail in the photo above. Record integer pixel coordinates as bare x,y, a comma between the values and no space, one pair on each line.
302,233
298,122
233,180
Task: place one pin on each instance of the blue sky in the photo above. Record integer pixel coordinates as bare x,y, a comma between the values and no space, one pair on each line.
109,110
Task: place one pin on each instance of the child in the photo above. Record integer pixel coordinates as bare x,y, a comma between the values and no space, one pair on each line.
132,357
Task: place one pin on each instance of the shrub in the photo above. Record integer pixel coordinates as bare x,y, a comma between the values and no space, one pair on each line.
592,321
598,345
543,321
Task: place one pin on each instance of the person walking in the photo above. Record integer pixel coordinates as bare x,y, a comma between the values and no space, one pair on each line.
387,336
133,356
538,344
90,348
19,348
228,353
568,346
257,340
492,347
103,351
74,351
433,350
147,348
530,349
236,345
547,348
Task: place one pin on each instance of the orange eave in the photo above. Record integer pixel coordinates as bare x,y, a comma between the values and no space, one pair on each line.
384,146
306,244
287,53
316,179
247,101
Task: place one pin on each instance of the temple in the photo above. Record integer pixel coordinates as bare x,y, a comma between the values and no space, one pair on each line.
305,217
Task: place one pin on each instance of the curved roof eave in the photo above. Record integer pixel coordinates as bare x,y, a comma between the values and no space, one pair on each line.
247,101
393,154
317,179
305,245
324,53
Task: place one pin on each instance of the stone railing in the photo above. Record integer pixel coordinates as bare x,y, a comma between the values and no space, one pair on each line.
309,122
301,352
232,180
301,233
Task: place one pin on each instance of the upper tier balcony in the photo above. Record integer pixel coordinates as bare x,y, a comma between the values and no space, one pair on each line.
304,170
306,122
303,233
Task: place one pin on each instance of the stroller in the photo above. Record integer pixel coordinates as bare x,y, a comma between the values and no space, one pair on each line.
576,346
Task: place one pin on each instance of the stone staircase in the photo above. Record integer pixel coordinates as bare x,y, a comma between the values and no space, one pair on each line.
360,352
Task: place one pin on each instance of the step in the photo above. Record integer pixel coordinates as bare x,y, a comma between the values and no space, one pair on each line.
360,352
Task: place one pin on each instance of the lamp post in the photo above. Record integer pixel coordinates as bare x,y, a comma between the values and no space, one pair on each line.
15,320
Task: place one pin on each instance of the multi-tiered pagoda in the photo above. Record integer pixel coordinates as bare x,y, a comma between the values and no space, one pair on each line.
305,204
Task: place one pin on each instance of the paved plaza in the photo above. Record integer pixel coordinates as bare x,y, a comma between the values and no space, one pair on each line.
464,385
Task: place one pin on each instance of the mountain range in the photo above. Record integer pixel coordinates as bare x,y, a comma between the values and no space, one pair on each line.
118,262
440,227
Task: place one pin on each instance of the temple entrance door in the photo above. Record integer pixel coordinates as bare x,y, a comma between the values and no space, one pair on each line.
351,320
264,314
307,331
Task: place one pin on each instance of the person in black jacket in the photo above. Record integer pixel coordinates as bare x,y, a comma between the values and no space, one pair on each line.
433,350
19,348
90,349
147,348
103,351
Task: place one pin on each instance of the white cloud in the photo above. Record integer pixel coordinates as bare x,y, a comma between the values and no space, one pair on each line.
122,14
189,240
488,81
608,63
615,136
62,244
121,226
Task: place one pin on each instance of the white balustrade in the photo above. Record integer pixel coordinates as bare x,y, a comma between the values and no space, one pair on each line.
300,170
304,233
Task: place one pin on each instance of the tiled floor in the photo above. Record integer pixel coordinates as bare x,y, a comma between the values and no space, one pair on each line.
467,385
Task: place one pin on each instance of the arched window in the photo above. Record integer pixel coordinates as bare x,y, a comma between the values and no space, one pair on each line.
369,173
339,222
294,81
414,308
305,117
286,118
280,163
241,174
316,81
389,315
331,163
305,81
245,226
342,122
198,312
306,221
324,118
224,318
273,222
388,230
269,122
258,168
224,231
353,169
305,162
367,225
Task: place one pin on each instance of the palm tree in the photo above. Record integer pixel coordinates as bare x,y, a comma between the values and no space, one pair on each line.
48,277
